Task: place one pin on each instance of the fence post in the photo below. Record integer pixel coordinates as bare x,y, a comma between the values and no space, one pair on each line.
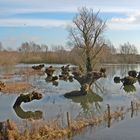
109,115
108,110
132,109
68,120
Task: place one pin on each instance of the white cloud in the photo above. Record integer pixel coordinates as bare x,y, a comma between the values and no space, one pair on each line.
122,26
131,18
130,22
12,7
12,11
29,6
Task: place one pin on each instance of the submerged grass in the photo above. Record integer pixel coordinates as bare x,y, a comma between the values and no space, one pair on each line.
17,86
54,130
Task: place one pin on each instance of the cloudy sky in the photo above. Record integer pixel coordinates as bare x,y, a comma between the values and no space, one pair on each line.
45,21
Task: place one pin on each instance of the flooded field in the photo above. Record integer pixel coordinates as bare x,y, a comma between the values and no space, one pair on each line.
54,105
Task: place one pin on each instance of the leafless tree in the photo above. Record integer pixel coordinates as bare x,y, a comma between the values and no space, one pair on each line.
128,52
86,33
108,53
1,46
128,48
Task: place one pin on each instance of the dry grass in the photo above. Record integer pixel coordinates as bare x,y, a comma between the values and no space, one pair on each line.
18,86
9,58
44,132
14,57
15,87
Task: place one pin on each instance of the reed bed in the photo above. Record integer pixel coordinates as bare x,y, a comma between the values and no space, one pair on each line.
9,58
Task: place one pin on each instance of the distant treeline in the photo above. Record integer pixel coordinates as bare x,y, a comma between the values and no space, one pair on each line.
34,53
63,57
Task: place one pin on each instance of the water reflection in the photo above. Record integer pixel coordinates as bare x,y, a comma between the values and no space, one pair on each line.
28,114
129,88
86,101
120,69
127,83
110,91
50,80
139,80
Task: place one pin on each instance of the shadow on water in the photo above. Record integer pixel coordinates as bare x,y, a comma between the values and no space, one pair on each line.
28,114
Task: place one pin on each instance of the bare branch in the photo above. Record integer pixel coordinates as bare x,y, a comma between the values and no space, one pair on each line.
87,32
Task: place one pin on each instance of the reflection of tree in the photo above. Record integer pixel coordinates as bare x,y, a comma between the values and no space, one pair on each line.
128,81
125,68
85,100
139,80
129,88
28,114
55,83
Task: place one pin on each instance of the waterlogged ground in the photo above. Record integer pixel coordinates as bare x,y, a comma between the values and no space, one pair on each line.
54,105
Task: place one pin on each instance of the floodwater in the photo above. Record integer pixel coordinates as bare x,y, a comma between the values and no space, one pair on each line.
54,105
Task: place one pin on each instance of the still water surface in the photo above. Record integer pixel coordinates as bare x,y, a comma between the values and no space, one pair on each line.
55,105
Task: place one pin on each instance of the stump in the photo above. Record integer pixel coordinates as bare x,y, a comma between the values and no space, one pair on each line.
27,98
128,80
38,67
132,73
49,71
2,85
86,80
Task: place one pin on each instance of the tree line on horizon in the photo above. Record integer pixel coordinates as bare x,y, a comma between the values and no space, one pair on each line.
30,52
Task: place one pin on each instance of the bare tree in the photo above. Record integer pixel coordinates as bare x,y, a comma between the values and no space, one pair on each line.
25,47
87,34
107,53
128,48
1,46
128,52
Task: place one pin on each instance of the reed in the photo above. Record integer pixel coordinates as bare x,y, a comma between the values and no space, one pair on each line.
9,58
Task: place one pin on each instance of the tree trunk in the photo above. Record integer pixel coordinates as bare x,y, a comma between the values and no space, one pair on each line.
87,80
88,64
88,61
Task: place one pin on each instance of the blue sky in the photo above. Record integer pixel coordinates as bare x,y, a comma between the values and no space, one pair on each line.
46,21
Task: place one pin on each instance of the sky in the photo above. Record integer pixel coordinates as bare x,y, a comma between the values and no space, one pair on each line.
46,21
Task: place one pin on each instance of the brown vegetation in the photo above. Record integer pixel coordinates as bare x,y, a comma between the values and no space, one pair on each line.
9,58
73,56
53,130
16,87
2,85
27,98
